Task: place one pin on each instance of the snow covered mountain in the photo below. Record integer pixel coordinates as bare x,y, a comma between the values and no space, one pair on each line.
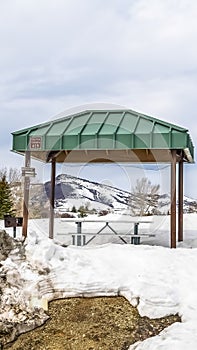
189,205
71,191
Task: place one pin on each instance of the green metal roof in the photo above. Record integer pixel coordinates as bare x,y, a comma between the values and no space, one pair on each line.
103,130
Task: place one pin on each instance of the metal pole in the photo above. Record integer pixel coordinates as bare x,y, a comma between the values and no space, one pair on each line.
14,231
173,200
52,199
79,226
26,195
180,205
135,240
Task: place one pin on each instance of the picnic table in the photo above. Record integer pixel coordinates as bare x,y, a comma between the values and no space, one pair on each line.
79,237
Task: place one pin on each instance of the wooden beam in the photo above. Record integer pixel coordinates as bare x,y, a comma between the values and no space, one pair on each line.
117,155
26,196
52,198
173,199
180,202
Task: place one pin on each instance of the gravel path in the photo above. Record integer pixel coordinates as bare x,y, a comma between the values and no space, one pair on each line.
103,323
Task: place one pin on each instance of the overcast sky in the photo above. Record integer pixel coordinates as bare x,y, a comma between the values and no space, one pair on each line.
58,54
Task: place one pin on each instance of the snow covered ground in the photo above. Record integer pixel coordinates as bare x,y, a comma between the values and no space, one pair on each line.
159,280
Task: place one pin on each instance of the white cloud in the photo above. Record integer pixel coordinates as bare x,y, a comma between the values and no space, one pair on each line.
83,47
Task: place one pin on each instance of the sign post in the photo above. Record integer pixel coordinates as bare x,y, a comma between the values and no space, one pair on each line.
26,195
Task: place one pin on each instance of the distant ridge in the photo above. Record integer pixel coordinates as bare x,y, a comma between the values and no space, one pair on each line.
74,191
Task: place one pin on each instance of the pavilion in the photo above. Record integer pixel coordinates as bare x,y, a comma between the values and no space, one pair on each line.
100,136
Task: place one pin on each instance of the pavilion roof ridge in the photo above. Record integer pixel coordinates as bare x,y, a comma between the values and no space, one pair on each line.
119,110
62,117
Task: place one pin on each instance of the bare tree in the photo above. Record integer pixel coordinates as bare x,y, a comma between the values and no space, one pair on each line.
3,173
144,198
13,175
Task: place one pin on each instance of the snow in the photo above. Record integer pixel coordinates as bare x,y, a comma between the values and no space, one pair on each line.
158,280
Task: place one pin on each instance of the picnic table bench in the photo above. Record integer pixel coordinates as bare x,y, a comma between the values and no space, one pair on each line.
79,238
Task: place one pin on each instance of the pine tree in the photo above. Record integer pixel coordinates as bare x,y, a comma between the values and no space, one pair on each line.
6,201
73,210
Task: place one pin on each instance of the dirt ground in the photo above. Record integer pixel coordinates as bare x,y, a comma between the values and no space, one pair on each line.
107,323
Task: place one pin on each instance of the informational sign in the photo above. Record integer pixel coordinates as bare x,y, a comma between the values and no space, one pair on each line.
35,142
27,171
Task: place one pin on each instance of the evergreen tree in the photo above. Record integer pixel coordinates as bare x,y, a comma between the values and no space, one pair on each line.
6,201
73,210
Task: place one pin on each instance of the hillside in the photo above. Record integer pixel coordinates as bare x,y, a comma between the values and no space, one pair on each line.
71,191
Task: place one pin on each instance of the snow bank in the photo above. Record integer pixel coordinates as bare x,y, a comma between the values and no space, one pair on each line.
159,281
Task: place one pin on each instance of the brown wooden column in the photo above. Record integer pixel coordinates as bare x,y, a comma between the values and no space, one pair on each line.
52,198
180,204
26,195
173,200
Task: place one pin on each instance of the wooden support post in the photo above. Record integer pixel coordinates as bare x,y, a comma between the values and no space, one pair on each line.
52,198
180,204
173,200
26,195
